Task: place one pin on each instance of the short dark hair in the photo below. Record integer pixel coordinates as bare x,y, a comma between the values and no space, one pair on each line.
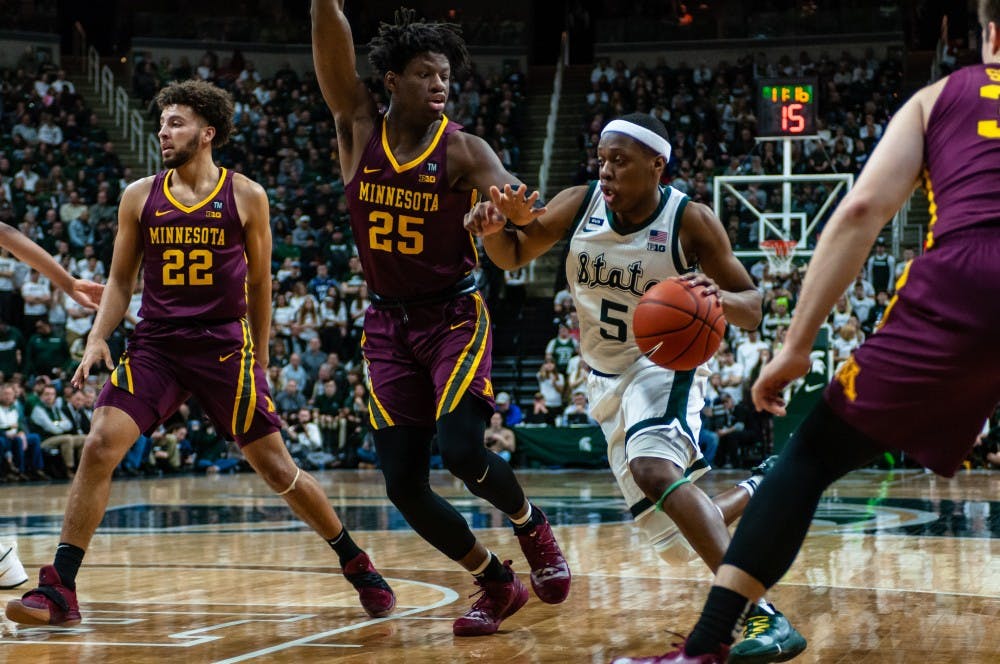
647,121
397,43
210,102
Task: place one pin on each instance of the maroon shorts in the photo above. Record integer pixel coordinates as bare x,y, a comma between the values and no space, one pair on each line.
166,364
422,360
928,378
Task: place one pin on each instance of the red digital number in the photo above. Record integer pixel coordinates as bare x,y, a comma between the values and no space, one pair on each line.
791,119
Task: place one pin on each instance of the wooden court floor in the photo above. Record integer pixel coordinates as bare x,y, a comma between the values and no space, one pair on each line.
898,567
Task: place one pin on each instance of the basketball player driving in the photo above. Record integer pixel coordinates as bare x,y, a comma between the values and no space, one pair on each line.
629,232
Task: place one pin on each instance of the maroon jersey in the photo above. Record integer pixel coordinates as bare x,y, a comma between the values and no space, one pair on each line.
962,153
194,264
407,220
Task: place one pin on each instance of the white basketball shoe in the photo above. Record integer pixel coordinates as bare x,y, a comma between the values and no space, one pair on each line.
12,572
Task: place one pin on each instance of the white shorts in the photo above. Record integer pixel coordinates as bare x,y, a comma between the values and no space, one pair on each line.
649,399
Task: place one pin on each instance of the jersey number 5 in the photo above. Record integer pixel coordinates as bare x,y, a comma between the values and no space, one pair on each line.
619,327
411,239
198,263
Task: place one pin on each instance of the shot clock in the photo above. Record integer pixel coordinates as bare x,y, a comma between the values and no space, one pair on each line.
786,107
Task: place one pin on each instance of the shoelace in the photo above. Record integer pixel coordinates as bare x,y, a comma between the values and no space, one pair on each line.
756,626
367,580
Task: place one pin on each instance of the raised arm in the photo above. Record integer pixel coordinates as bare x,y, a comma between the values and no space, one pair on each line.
336,71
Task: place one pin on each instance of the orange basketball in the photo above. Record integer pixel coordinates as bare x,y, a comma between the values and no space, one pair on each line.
677,326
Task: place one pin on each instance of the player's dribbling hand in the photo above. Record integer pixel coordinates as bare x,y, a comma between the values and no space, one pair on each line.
768,390
97,350
516,204
484,219
693,279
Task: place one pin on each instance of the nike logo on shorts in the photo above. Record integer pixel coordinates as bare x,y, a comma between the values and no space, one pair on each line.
223,358
458,325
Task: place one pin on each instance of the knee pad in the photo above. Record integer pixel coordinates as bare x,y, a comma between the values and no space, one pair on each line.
665,538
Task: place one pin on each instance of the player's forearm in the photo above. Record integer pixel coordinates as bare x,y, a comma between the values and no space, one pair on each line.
743,308
841,252
259,314
510,248
114,304
29,252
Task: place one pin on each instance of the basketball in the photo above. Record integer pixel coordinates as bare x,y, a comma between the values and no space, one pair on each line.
676,326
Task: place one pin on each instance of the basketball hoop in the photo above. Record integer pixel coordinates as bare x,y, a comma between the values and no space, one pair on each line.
779,255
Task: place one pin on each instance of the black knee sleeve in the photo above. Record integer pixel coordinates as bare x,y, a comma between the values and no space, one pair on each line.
777,518
464,454
404,454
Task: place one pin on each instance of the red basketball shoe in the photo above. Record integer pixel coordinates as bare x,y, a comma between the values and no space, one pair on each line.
497,600
550,575
377,597
51,603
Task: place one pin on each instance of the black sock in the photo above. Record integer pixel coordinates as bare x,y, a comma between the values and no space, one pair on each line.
536,519
345,547
494,571
720,619
67,563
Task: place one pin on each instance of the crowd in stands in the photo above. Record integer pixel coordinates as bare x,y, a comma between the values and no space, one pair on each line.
60,181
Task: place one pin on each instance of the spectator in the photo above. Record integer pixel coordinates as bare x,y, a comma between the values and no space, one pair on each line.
37,296
552,385
290,399
578,411
23,452
499,439
539,413
295,372
509,410
47,353
57,430
881,268
562,348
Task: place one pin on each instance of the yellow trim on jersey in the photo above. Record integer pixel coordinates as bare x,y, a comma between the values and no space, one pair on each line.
931,210
899,285
246,379
414,162
477,341
184,208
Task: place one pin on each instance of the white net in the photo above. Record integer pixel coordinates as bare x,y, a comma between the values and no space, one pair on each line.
780,255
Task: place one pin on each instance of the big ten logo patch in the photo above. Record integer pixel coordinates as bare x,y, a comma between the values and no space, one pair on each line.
429,176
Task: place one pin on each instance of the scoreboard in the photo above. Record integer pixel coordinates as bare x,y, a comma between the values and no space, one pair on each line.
786,107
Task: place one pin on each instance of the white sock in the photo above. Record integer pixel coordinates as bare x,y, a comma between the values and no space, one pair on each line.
486,563
751,484
524,519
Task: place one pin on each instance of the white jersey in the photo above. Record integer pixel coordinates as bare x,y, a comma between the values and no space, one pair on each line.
608,270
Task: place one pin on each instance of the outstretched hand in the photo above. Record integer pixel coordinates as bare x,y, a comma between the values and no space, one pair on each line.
484,219
516,204
87,293
775,376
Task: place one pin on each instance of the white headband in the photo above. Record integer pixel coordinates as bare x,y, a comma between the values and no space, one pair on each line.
648,138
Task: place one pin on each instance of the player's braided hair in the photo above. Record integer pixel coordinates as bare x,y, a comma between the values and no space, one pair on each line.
398,43
210,102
